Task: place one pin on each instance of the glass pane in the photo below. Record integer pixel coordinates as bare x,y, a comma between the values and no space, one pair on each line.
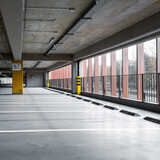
108,78
150,91
132,72
119,70
150,56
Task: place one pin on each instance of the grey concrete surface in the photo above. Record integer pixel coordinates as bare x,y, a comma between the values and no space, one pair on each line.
35,79
46,125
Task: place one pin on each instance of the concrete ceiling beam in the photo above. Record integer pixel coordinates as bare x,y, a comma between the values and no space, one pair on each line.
143,30
6,57
57,65
12,13
34,69
52,57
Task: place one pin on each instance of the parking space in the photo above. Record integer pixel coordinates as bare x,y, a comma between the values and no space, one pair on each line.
43,124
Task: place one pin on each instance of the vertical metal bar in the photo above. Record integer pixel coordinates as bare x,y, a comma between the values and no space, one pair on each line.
159,88
119,85
103,89
91,84
143,98
151,87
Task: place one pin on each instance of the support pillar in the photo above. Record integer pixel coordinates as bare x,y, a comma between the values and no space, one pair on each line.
84,75
46,79
140,70
96,72
74,76
17,77
90,75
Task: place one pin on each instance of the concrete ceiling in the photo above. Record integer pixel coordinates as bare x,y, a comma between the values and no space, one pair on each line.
47,19
40,24
29,64
113,17
46,64
4,43
5,64
43,64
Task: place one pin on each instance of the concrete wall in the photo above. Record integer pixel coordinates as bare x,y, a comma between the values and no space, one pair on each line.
35,79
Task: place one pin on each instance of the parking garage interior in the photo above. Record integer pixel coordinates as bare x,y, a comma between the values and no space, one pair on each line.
79,79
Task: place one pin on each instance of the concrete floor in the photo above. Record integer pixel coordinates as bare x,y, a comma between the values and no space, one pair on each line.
45,125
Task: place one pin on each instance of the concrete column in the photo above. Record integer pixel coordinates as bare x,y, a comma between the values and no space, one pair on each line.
96,73
74,76
17,77
46,77
90,75
140,70
84,74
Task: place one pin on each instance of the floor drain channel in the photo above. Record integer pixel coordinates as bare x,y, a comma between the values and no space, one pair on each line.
129,113
110,107
154,120
97,103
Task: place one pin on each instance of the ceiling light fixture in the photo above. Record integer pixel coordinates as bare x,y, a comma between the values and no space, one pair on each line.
97,1
54,21
72,10
36,64
55,32
51,40
41,20
54,8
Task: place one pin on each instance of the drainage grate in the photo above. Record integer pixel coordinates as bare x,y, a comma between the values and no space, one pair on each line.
97,103
129,113
110,107
154,120
87,100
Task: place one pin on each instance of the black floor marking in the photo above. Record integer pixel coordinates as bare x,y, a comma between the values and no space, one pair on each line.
97,103
129,113
154,120
79,98
73,96
61,92
87,100
110,107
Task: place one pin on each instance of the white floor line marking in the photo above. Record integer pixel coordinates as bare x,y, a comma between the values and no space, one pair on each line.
77,130
10,112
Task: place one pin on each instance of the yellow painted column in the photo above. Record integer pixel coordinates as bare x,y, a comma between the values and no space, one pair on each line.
17,77
78,85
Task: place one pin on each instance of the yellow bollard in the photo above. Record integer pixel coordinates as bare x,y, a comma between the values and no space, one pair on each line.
78,85
48,82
